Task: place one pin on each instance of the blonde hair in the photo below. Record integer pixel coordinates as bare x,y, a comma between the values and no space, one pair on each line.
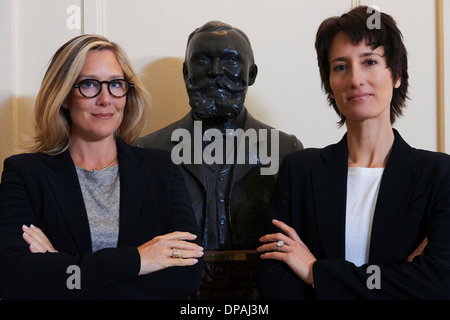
52,121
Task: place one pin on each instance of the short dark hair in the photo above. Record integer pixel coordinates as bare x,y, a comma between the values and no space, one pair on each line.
388,36
217,26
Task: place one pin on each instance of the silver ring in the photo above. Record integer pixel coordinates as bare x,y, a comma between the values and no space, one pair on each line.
175,254
280,244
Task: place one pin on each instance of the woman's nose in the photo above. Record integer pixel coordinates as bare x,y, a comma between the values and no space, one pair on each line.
356,77
104,97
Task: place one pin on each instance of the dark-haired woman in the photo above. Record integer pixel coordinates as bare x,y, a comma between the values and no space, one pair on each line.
368,217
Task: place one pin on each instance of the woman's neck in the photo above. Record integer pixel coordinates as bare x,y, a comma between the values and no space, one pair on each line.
369,144
93,155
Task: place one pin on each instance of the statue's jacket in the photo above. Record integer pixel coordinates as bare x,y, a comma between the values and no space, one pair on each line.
249,190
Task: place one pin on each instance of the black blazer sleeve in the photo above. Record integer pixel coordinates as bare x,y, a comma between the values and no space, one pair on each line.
166,208
276,280
153,202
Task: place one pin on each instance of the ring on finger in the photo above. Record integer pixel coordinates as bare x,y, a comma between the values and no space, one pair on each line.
175,254
280,244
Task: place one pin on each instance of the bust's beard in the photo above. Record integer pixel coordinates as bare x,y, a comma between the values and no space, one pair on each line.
217,99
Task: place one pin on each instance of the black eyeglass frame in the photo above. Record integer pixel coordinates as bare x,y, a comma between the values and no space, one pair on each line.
129,86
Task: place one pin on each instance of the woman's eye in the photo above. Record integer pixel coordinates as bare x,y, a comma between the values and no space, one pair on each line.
116,84
371,62
87,84
339,67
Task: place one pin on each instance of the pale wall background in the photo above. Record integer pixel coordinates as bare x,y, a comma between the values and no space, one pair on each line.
286,94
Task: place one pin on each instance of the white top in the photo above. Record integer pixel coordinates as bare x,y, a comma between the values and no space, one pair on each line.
362,192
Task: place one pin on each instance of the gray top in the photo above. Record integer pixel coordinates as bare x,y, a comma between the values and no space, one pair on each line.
101,195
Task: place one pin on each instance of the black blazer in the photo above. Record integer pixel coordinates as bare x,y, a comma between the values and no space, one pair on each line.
44,190
413,203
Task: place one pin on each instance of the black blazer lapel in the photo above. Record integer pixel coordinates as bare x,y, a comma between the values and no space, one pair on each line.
63,181
329,183
397,185
133,185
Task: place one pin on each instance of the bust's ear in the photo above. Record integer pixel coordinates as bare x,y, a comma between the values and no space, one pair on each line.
253,72
185,71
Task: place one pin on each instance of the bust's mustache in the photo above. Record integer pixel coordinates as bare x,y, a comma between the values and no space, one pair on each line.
218,83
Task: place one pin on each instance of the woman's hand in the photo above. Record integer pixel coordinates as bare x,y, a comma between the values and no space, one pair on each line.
292,251
419,250
169,250
37,240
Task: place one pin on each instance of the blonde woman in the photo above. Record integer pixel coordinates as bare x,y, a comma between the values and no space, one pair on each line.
85,201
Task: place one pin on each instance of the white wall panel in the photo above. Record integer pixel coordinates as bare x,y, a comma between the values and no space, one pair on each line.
446,20
7,78
286,93
31,31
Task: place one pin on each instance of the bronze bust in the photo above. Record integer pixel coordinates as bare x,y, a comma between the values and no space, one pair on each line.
229,197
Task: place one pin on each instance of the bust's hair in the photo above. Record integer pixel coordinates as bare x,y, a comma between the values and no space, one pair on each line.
217,26
52,122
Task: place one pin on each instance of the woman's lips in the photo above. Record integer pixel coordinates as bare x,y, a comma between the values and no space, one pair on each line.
360,97
103,116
